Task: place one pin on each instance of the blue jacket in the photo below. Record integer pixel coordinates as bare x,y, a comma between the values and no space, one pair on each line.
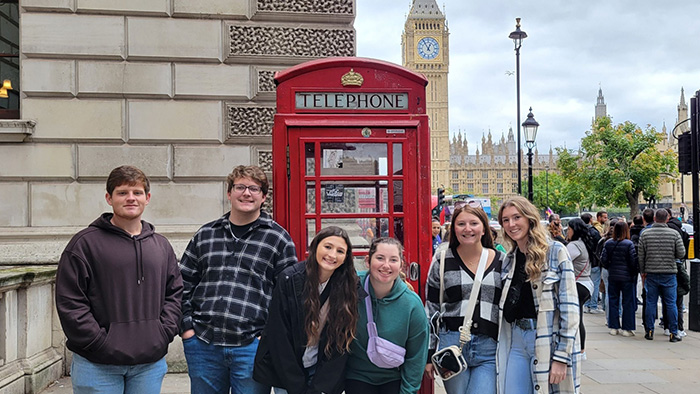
620,259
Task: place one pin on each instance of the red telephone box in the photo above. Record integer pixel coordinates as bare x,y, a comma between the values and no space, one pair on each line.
351,148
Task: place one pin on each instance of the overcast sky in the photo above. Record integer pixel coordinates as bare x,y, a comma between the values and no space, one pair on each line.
640,52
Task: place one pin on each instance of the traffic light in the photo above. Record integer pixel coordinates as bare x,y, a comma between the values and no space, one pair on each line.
441,198
684,159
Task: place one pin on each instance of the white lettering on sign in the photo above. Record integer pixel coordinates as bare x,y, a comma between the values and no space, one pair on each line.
351,100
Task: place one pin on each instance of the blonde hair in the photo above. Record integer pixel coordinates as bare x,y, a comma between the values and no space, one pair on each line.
537,244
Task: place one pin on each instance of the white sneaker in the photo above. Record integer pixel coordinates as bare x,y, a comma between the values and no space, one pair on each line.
586,309
682,334
614,331
583,356
595,311
627,333
667,332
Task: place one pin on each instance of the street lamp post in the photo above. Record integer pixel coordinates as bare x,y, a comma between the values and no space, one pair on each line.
546,177
518,36
530,126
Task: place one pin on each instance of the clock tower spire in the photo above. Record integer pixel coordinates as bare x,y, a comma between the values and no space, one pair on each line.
425,49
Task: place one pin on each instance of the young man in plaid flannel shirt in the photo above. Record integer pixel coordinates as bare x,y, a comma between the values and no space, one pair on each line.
229,270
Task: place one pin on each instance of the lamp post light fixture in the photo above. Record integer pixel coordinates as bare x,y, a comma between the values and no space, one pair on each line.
546,177
518,36
530,126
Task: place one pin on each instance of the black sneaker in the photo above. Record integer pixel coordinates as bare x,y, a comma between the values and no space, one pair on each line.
649,335
675,338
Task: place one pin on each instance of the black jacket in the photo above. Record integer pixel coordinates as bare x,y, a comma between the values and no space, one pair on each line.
118,296
620,259
278,361
676,224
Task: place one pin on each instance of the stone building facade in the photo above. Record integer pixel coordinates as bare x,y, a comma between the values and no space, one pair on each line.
492,170
182,89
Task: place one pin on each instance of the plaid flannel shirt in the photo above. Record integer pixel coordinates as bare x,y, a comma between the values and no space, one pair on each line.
229,281
557,336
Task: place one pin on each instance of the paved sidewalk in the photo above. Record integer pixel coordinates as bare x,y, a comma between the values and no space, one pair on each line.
615,364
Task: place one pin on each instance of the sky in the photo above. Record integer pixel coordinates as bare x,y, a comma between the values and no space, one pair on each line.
641,53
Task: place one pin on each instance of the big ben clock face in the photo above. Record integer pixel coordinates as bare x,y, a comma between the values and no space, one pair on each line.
428,48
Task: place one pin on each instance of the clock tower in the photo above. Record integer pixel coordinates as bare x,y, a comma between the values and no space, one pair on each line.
425,49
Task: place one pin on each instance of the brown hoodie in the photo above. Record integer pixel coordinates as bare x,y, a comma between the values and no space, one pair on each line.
118,296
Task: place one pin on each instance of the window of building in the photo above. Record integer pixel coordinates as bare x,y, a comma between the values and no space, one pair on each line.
470,174
9,60
455,175
499,188
485,188
514,175
455,187
484,175
499,175
470,187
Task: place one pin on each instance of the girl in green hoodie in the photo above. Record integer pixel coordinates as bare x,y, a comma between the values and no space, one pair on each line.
400,318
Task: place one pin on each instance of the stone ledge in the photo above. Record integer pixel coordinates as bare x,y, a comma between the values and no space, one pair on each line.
16,130
15,277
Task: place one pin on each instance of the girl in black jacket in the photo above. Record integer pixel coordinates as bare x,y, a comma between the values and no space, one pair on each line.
619,256
312,320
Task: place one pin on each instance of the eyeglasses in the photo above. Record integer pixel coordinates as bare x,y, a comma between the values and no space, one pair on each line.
240,188
471,203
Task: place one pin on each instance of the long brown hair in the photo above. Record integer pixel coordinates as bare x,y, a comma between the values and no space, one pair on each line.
621,231
486,239
341,322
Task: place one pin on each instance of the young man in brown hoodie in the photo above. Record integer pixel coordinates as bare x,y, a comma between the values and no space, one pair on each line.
118,293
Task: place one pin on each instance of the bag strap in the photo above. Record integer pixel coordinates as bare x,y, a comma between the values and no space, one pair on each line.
466,328
442,280
368,302
585,266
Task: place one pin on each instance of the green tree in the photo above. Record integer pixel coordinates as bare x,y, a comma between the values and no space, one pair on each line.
615,165
551,190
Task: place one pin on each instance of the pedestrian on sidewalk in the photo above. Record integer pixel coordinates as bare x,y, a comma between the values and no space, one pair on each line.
580,257
540,292
118,293
659,247
594,236
305,345
619,257
229,270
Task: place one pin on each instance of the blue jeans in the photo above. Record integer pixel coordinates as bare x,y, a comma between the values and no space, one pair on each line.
520,358
663,285
595,277
218,369
629,304
93,378
480,354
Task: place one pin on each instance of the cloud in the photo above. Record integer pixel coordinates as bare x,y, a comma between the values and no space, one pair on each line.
640,52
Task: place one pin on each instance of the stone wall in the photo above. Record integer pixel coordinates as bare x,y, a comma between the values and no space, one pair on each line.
182,89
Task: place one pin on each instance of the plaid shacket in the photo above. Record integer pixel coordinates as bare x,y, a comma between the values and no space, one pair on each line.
557,336
229,281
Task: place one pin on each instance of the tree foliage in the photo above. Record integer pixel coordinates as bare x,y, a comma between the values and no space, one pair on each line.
552,190
615,165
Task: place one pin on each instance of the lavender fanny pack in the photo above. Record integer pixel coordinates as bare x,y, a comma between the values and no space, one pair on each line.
381,352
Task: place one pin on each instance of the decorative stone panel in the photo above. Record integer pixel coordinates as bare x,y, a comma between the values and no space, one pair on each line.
266,81
307,6
265,160
249,121
268,204
279,41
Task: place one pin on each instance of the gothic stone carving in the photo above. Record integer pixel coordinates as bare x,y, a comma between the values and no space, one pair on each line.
307,6
286,41
250,121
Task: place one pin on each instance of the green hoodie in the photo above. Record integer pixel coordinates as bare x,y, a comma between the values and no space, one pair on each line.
400,318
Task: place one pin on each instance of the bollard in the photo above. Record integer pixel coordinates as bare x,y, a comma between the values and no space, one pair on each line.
694,302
